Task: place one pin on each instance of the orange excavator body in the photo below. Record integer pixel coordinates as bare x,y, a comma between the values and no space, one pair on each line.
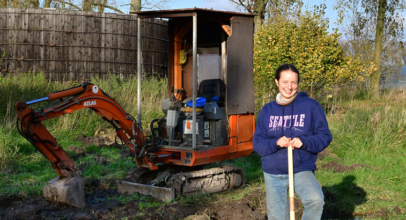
241,129
68,187
224,125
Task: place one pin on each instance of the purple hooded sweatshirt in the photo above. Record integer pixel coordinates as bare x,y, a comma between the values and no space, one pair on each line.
303,118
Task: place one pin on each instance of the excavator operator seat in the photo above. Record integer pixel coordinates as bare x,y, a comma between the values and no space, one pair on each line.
210,88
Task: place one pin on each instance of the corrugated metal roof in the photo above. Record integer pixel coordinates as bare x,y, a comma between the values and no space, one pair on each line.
186,12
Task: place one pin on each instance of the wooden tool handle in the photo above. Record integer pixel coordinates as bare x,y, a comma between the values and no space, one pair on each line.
291,184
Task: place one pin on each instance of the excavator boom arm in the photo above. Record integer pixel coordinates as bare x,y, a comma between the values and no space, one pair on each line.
77,98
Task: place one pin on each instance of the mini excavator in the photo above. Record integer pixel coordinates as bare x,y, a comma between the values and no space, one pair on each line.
209,122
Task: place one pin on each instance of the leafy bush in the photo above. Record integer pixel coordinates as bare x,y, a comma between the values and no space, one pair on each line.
306,43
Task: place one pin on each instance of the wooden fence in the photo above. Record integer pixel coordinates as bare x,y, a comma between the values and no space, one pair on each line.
79,45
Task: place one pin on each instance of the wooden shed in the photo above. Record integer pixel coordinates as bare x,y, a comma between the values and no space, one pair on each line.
224,50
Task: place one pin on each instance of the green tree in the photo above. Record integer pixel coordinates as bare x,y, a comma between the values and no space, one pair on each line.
306,43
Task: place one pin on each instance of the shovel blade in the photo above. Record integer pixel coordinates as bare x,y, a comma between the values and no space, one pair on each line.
66,190
161,193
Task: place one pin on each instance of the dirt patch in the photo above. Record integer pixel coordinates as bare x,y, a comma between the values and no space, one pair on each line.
341,168
75,149
397,210
385,213
94,140
252,206
79,152
115,145
381,213
326,153
357,165
233,210
336,167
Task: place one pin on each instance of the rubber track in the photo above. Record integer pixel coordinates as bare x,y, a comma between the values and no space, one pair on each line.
177,180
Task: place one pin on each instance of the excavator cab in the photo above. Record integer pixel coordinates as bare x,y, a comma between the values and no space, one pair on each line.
210,59
209,116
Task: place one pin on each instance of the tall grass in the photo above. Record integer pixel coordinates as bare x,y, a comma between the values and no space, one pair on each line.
8,148
370,125
370,132
23,87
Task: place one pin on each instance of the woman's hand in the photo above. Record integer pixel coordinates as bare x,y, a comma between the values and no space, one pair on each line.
296,143
283,142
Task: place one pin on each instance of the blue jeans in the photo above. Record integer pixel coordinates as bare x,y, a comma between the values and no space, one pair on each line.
307,188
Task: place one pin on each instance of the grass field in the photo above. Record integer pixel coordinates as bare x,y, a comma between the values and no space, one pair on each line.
362,173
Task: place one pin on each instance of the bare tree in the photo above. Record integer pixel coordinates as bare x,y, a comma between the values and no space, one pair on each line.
138,5
47,3
266,8
287,9
135,5
255,7
374,28
85,5
20,3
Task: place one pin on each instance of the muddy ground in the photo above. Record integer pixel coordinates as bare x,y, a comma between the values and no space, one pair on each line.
100,204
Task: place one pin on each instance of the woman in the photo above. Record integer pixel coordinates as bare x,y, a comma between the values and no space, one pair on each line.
293,118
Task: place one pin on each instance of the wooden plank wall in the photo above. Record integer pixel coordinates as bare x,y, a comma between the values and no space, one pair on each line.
79,45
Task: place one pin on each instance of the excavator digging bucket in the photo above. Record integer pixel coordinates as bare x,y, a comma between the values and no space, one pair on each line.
161,193
67,190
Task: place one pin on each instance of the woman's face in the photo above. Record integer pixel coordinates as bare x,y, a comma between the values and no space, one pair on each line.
287,84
